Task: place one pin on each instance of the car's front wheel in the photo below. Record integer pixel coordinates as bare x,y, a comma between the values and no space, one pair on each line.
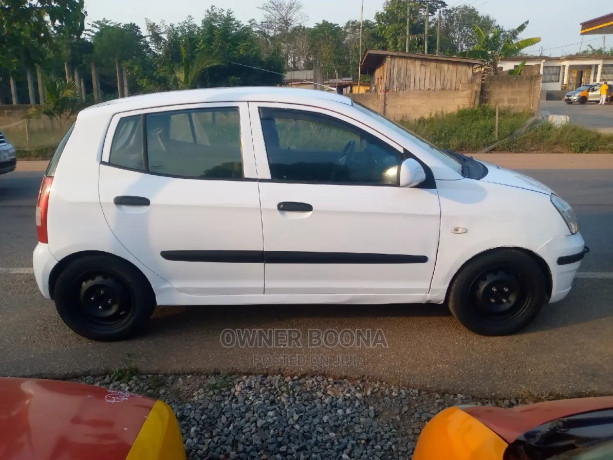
498,293
103,298
582,100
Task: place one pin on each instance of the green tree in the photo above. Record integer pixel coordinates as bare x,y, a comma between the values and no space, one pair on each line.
327,44
27,27
61,101
392,24
457,28
493,46
118,44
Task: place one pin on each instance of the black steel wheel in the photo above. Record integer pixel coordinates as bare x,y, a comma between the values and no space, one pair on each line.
582,100
103,298
498,293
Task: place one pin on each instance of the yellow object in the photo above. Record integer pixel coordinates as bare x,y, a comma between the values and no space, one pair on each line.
160,437
455,435
604,89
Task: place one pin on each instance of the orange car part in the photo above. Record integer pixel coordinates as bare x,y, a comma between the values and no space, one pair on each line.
159,438
455,435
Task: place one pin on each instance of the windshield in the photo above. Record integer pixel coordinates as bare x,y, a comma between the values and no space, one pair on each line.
448,159
583,88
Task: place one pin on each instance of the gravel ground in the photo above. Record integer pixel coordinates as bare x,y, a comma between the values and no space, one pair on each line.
278,417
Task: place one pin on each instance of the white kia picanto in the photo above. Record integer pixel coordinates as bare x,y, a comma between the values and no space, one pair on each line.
273,195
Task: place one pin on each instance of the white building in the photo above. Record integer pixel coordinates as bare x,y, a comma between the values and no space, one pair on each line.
567,73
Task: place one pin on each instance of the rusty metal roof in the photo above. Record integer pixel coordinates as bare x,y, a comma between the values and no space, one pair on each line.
373,58
598,26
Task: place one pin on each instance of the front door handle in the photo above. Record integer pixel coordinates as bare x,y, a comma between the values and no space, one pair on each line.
131,201
293,206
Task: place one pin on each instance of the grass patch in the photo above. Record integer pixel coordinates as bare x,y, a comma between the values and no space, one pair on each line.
219,382
564,139
126,371
44,153
468,130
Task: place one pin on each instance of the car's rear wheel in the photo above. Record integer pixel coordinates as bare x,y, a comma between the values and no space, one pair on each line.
103,298
498,293
582,100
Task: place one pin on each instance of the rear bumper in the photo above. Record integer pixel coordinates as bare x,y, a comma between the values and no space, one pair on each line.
8,166
563,255
43,263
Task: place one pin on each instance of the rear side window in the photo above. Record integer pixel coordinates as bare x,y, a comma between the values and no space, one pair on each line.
195,143
58,153
127,146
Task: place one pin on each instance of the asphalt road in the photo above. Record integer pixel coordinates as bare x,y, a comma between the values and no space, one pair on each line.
590,115
566,350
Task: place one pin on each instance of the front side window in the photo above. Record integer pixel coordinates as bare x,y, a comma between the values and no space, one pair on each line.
195,143
310,147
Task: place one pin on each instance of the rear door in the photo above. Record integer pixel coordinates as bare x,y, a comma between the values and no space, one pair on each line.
178,189
335,220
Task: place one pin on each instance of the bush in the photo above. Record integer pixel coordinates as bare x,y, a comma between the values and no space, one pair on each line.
468,130
564,139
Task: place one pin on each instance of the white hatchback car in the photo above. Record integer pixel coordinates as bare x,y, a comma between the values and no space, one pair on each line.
276,195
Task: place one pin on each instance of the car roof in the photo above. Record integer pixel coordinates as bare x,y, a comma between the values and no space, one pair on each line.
235,94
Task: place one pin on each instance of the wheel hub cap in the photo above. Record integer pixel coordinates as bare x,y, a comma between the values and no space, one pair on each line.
103,297
497,292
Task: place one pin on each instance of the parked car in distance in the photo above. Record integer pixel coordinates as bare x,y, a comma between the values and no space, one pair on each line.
586,93
570,429
49,420
8,160
183,198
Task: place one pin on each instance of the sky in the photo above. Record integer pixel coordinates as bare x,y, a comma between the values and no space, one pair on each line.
557,22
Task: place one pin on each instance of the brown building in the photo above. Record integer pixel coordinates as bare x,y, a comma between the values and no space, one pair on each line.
392,71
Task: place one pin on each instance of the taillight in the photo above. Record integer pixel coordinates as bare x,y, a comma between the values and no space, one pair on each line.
41,209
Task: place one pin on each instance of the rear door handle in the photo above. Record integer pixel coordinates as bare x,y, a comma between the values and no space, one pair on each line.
131,201
293,206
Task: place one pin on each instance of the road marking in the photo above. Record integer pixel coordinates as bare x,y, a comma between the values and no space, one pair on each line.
595,275
17,271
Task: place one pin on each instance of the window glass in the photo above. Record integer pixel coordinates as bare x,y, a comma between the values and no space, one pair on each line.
195,143
311,147
58,153
127,146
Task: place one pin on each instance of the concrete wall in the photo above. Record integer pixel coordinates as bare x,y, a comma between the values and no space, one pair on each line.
515,92
412,105
12,113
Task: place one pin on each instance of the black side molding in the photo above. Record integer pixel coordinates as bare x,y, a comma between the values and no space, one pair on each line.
291,257
131,201
566,260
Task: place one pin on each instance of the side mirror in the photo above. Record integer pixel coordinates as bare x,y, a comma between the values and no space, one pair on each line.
411,173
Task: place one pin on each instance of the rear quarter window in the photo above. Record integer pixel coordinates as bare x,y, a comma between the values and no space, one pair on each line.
58,153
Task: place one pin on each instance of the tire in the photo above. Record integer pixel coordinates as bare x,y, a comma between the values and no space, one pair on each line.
104,298
582,100
498,293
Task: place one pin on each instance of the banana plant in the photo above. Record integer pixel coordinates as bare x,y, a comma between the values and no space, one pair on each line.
499,44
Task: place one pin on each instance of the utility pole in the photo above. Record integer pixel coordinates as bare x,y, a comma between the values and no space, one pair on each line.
438,32
360,50
426,30
406,46
604,44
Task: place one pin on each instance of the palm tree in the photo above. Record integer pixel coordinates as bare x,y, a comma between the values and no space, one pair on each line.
61,102
187,73
498,45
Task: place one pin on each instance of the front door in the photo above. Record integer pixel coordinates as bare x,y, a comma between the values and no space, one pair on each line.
178,190
335,220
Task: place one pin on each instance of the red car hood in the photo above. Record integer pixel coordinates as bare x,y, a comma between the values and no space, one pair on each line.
511,423
46,419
